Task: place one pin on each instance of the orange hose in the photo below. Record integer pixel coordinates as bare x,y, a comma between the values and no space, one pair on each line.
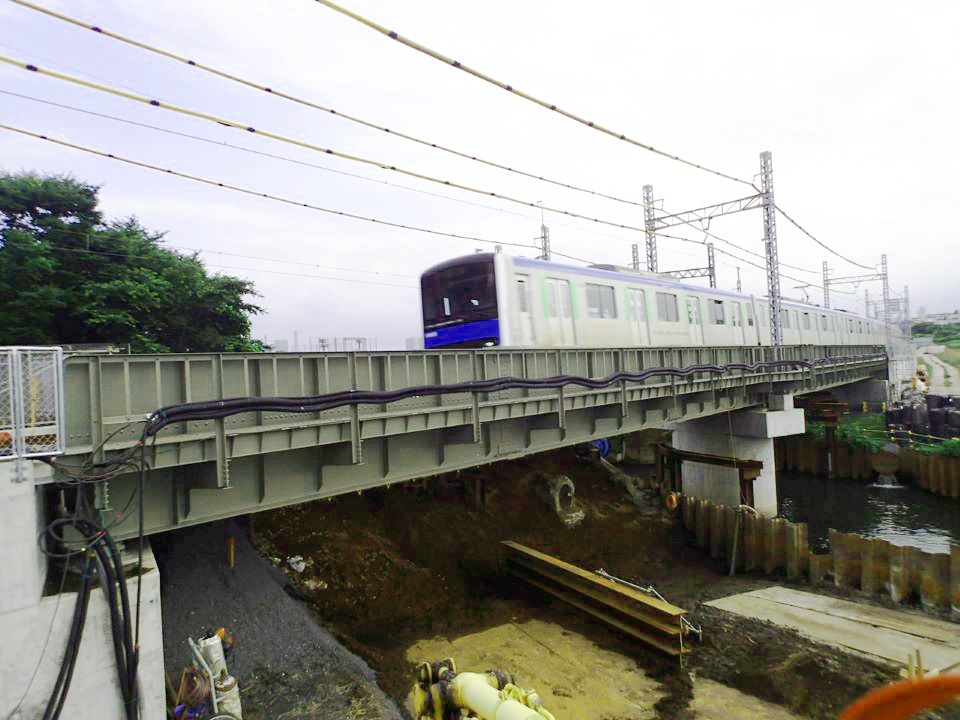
903,699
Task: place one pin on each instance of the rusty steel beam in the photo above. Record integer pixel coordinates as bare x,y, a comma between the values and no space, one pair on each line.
648,619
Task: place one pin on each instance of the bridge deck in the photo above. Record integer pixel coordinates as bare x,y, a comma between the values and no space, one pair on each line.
210,469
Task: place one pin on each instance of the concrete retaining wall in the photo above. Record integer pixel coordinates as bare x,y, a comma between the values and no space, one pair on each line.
870,567
938,474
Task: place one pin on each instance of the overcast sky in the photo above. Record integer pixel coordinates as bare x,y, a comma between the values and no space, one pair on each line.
857,101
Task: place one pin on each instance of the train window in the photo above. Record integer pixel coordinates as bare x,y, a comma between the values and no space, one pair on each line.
522,300
552,299
806,321
565,302
823,322
715,310
667,307
850,325
785,319
749,315
601,302
763,316
465,292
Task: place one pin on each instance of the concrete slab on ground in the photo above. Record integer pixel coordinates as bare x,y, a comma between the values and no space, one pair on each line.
887,634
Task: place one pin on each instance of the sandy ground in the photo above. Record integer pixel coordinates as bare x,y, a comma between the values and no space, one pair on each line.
399,576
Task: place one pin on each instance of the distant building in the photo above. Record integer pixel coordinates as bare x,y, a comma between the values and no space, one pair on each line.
281,345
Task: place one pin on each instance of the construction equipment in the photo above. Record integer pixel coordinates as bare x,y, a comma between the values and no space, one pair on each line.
441,693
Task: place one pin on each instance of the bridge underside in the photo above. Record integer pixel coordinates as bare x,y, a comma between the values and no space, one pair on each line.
212,469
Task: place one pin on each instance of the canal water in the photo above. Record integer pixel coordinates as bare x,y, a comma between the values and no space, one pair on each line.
901,514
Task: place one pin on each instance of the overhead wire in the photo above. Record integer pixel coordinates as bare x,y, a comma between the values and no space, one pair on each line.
509,88
821,244
334,212
309,146
320,167
267,196
553,107
303,163
308,103
107,253
277,198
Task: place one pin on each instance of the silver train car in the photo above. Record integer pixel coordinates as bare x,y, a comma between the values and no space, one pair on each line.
492,299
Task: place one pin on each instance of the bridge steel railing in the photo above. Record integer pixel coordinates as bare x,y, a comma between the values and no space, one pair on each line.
211,469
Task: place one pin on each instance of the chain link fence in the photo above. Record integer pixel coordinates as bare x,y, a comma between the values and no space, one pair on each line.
31,402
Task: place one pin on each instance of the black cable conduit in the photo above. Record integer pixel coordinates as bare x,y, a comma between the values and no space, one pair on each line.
213,409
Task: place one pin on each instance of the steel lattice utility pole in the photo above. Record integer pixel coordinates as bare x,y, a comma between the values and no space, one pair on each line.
544,242
635,260
906,303
886,288
650,225
770,244
826,286
713,267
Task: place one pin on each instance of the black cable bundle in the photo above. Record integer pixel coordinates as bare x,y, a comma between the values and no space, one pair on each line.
62,686
212,409
102,562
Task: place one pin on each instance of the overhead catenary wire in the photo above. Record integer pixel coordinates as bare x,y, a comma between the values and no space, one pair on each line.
267,196
318,208
316,148
309,146
821,244
431,53
362,177
509,88
308,103
553,107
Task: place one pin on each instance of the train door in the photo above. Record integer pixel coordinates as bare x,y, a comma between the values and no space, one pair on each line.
524,332
693,316
736,321
639,329
559,312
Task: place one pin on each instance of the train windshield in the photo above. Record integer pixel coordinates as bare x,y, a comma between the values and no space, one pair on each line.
460,294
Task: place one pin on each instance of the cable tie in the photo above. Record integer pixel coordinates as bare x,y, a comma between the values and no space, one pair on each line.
32,68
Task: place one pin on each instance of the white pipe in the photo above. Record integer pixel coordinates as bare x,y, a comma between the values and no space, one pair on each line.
474,692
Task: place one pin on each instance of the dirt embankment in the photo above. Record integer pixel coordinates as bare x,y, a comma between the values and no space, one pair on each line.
393,567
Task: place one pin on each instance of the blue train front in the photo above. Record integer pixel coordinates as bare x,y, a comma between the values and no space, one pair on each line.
460,303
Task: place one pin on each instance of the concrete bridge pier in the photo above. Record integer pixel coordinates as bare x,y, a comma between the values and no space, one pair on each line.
746,435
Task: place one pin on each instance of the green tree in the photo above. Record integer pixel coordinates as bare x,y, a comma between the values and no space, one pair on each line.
66,276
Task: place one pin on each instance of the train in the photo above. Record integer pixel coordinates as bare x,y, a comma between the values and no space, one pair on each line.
498,300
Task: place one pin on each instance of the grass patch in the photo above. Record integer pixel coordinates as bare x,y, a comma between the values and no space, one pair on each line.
951,356
867,431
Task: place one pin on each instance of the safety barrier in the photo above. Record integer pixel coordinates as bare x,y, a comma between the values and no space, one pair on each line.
872,567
